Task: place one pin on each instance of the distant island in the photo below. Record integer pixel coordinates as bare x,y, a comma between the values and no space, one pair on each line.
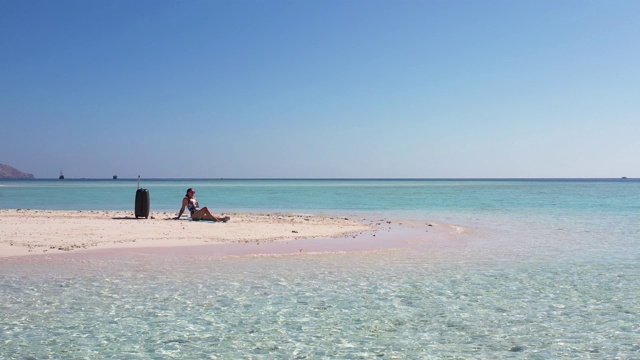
9,172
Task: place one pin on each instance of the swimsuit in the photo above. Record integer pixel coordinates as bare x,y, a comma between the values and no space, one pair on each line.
193,206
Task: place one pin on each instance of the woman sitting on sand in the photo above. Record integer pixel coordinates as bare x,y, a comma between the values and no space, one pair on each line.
191,203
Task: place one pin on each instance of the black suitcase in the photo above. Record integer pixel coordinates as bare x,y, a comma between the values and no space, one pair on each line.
142,203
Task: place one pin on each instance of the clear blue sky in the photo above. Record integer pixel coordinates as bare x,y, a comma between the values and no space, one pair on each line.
208,89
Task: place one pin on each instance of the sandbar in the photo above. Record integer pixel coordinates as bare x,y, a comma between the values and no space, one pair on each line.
32,232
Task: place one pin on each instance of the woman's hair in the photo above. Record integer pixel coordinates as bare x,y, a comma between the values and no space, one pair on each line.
189,189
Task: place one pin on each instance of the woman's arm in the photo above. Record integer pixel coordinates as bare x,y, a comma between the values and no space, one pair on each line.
184,204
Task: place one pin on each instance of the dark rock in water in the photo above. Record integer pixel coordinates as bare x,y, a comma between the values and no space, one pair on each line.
9,172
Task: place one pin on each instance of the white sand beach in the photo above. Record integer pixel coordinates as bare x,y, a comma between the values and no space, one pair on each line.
30,232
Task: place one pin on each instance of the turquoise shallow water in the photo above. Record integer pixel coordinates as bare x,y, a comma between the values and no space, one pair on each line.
332,195
543,269
391,305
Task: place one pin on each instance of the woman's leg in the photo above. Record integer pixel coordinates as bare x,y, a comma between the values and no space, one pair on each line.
205,214
198,215
210,216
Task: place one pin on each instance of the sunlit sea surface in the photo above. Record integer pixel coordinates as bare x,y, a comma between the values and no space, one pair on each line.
543,269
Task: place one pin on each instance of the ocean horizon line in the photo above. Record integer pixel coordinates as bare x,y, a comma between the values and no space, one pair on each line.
623,178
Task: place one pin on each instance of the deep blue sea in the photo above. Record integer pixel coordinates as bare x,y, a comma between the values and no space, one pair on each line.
544,269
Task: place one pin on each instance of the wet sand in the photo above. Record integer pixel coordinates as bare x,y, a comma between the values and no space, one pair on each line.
100,233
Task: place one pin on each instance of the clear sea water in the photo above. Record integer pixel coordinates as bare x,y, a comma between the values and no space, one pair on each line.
544,269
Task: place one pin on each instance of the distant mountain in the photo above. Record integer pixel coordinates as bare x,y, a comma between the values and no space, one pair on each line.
9,172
